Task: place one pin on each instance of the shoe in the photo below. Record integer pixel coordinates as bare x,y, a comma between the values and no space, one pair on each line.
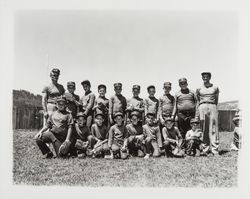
109,157
147,156
49,155
81,156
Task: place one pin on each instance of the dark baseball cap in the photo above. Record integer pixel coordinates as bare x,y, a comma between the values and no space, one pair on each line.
117,85
136,87
55,71
118,114
206,73
71,83
135,113
86,82
194,120
167,84
151,86
183,80
102,86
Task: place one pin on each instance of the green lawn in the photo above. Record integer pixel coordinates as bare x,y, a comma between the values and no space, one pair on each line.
30,168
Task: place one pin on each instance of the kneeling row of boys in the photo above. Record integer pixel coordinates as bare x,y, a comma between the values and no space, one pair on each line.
74,138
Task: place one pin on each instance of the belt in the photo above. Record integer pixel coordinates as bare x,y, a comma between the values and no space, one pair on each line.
207,103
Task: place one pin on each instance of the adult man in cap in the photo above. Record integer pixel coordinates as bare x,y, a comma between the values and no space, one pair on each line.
102,103
58,131
185,107
136,103
135,133
51,92
117,103
151,104
208,96
72,100
166,102
87,101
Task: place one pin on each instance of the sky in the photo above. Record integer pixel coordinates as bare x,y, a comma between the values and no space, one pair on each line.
131,47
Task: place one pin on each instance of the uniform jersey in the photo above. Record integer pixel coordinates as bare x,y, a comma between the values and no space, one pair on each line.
186,100
84,132
172,133
134,130
207,94
103,107
100,132
71,105
59,122
166,104
53,92
117,134
87,102
194,134
117,103
151,105
137,104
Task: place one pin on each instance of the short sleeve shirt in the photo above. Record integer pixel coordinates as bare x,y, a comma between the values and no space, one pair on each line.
207,94
134,130
59,122
185,100
53,92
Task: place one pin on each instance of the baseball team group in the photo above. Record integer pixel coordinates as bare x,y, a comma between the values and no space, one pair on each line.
185,124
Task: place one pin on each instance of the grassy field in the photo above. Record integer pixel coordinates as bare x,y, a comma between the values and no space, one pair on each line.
30,168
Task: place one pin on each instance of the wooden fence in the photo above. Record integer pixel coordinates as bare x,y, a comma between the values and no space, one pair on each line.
32,118
27,117
225,118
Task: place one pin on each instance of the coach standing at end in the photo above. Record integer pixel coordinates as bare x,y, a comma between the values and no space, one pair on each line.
51,93
208,96
186,106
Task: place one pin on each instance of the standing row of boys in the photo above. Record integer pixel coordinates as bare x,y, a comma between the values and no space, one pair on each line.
184,124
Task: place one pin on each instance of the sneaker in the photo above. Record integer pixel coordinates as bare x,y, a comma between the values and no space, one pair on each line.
108,157
49,155
81,155
147,156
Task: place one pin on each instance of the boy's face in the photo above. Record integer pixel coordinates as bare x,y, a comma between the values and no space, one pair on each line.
150,119
119,120
151,92
61,106
99,120
102,92
134,120
166,90
169,124
81,121
136,92
118,90
86,87
206,78
71,89
183,85
194,126
54,77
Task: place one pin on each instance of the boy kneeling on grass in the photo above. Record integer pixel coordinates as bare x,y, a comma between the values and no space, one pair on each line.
82,136
152,135
135,139
118,138
193,138
98,139
58,131
172,139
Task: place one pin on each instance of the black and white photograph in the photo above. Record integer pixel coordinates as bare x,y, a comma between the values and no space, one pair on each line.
127,98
